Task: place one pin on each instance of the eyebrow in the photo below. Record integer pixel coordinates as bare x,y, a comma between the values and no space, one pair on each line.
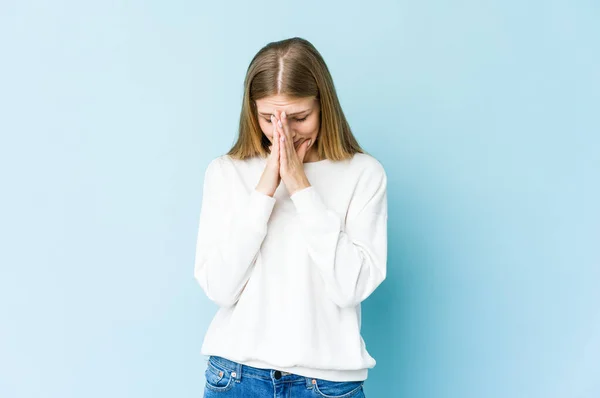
288,114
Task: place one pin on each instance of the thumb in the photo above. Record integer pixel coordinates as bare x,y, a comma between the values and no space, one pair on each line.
303,149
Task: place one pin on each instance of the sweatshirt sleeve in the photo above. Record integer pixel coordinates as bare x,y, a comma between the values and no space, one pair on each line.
231,230
351,260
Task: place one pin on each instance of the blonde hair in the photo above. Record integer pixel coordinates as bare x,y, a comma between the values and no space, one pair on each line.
294,68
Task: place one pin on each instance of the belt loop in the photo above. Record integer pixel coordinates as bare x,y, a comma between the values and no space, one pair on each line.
309,382
238,371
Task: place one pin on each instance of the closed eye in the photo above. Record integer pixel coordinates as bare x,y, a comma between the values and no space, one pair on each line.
298,120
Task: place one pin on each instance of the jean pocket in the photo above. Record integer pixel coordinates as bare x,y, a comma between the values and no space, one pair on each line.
217,379
338,389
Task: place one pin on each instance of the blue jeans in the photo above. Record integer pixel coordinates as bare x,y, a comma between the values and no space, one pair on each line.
229,379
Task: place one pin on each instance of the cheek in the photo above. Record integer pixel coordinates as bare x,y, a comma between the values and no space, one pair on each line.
266,128
307,128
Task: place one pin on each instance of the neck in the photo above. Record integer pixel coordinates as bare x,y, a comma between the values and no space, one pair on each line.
311,156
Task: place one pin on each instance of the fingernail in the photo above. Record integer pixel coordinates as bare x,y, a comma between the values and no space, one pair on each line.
309,142
279,123
283,115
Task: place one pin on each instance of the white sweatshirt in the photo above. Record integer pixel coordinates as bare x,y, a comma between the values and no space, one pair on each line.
289,273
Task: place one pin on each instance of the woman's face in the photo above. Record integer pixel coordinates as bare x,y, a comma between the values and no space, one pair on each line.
303,115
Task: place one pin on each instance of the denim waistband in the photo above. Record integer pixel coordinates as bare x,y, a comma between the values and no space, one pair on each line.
238,371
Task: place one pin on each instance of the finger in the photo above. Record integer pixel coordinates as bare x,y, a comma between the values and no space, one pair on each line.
288,145
283,154
276,116
284,142
288,136
285,126
278,124
277,143
275,137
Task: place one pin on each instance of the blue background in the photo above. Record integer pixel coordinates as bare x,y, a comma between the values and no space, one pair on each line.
484,114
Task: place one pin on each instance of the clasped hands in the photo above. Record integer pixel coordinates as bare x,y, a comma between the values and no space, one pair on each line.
286,157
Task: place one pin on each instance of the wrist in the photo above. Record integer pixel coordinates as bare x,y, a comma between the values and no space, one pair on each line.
300,187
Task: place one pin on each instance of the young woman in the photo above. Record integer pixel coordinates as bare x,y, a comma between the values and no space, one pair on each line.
292,238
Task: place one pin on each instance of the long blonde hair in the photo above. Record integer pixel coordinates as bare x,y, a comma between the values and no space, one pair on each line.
293,67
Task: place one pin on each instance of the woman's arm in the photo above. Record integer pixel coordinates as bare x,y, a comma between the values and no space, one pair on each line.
351,261
230,233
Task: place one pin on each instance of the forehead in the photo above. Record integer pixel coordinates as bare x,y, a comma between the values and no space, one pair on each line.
284,103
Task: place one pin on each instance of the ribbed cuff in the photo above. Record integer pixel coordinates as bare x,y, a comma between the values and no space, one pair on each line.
260,207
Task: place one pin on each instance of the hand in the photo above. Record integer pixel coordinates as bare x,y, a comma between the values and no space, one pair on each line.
291,160
270,178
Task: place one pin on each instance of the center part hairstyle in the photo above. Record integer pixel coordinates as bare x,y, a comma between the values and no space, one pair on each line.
294,68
